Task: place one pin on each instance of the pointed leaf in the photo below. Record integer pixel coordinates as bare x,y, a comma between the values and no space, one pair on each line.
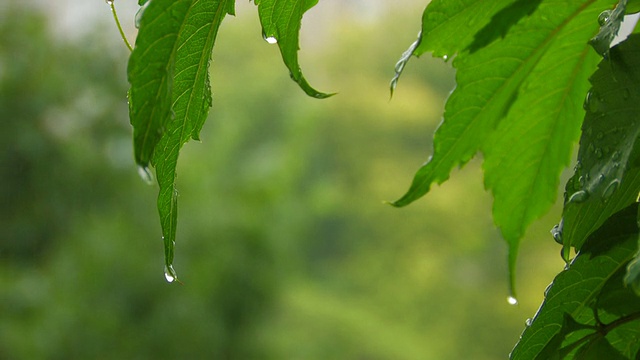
515,88
281,21
607,177
575,290
172,100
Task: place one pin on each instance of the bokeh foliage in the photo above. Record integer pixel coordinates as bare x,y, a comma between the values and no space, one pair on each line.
286,248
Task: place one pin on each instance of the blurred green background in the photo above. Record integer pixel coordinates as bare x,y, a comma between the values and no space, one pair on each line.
284,245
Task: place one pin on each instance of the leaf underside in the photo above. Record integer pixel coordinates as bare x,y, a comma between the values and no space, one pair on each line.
515,99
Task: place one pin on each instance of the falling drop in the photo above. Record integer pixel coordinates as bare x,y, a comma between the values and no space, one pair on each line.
610,189
604,17
170,274
512,301
145,174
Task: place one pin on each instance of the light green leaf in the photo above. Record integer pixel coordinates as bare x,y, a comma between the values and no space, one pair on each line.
576,291
515,100
170,94
281,21
607,177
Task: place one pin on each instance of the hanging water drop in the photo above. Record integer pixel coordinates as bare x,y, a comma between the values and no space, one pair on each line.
269,39
610,189
445,57
604,17
145,174
528,322
170,274
512,301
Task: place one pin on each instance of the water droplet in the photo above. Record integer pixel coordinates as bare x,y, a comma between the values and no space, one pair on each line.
512,301
109,2
587,101
170,274
604,17
616,156
145,174
528,322
579,196
610,189
445,58
556,232
598,153
581,181
269,39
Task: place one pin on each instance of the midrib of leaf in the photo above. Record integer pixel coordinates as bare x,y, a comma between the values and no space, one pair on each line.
187,126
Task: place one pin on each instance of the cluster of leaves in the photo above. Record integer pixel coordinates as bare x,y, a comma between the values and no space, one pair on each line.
525,79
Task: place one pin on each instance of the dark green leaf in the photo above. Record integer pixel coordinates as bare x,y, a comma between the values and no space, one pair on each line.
599,349
575,291
607,177
281,20
170,94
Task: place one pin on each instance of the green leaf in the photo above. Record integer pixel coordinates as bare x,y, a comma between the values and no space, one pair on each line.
521,86
170,93
607,177
599,349
502,21
281,21
609,26
575,291
441,24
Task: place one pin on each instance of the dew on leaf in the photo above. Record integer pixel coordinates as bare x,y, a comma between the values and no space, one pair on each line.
604,17
610,189
528,322
445,57
579,196
556,232
512,301
598,152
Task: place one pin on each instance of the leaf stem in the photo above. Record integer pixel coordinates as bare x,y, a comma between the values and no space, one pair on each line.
115,17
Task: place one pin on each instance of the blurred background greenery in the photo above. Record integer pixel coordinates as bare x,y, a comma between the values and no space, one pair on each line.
284,244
